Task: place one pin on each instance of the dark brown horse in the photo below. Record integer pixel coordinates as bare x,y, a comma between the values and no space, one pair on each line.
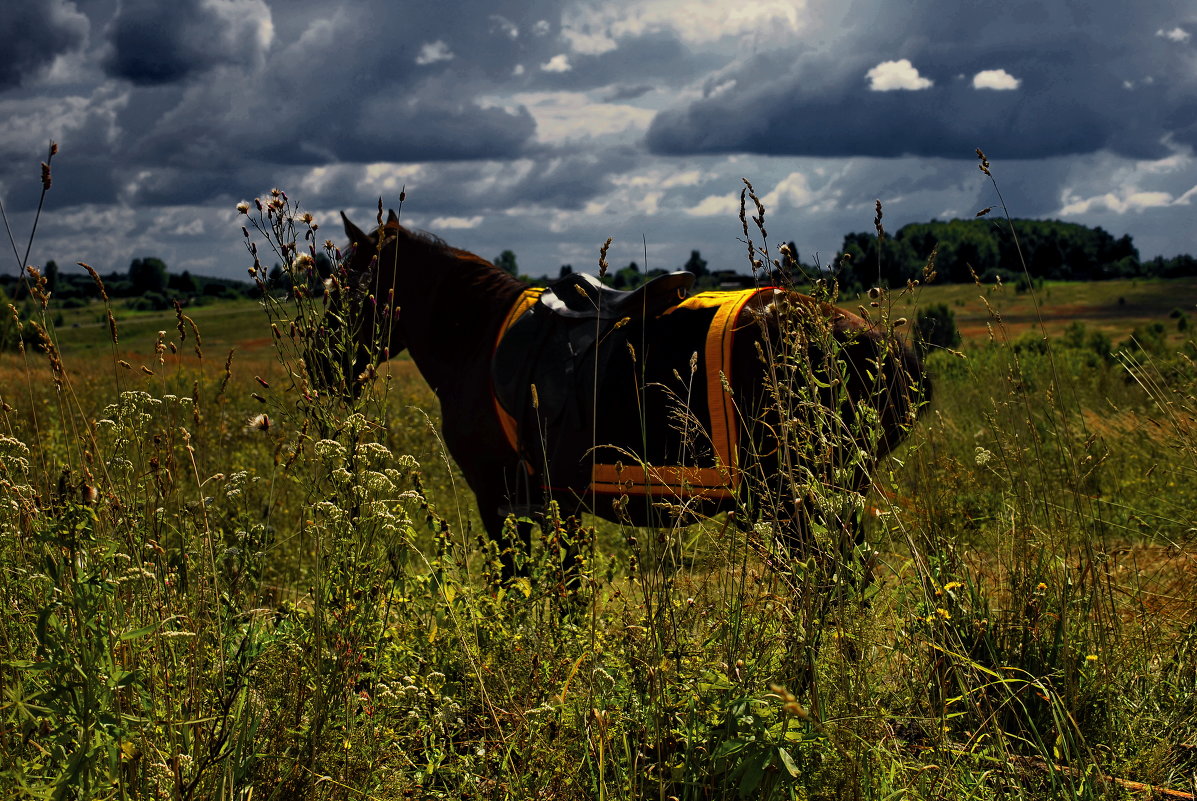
640,409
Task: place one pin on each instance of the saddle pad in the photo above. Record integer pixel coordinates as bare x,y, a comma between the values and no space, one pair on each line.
625,395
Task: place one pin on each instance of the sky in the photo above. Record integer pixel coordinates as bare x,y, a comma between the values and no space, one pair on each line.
546,126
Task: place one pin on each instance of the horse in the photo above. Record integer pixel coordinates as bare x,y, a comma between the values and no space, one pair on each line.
630,406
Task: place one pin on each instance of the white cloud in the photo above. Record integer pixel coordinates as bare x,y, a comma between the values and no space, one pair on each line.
432,52
1177,34
792,192
389,178
893,75
716,206
558,63
596,28
589,43
456,222
720,89
1128,201
1180,159
572,116
180,221
505,26
995,79
661,178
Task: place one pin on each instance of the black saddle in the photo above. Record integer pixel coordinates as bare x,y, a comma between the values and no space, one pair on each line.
582,296
563,343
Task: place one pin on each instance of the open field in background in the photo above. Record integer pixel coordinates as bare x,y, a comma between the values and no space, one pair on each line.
199,605
223,325
1114,307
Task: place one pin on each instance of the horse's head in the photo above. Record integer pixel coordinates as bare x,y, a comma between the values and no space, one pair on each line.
360,317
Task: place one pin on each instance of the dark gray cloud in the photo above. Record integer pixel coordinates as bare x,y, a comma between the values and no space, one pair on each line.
521,123
35,33
364,83
1090,77
151,42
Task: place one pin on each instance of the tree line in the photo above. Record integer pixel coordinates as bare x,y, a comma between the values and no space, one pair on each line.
965,250
956,251
147,284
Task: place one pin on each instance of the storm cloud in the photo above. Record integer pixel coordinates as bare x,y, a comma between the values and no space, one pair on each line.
1037,81
545,126
37,32
156,43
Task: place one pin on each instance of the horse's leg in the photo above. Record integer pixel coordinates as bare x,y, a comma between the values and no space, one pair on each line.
512,537
508,512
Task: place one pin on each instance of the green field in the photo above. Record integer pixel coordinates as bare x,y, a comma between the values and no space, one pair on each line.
202,602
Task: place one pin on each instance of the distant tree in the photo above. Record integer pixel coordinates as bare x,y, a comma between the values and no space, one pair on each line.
147,275
696,264
148,301
278,279
629,277
324,267
183,283
506,261
935,327
51,274
1050,249
566,269
9,332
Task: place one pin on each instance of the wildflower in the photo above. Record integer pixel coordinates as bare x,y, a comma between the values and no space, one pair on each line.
243,207
329,449
1091,658
374,450
943,613
260,422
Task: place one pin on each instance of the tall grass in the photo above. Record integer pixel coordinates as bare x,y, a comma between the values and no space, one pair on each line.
221,581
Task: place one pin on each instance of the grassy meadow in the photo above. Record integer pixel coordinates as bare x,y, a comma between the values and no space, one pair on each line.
219,583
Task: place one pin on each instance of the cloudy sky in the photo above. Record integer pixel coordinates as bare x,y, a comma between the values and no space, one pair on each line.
545,126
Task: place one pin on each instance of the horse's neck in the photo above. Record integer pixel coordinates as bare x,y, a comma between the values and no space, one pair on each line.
452,309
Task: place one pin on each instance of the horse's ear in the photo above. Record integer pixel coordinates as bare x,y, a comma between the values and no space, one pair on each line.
355,234
392,217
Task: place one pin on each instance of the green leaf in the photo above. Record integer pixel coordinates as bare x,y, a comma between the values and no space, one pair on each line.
137,634
124,678
787,762
754,774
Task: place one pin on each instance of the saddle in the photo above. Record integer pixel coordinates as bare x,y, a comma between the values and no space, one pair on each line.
583,297
561,342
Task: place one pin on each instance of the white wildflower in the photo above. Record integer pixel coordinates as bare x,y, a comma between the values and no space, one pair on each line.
329,449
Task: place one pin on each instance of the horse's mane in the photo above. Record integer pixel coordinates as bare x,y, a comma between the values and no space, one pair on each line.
487,276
